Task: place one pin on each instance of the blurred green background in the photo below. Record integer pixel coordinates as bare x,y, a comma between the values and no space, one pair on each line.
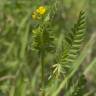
19,68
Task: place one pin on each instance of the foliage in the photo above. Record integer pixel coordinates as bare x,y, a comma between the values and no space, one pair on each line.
42,56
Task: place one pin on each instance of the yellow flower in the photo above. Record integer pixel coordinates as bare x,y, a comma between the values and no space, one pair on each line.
41,10
34,15
38,12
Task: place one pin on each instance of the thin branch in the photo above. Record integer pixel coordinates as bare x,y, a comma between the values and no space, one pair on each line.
7,78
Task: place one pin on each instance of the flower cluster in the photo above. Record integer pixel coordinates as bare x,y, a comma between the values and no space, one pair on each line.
37,14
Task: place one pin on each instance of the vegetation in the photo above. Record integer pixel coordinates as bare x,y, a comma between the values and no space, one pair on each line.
40,55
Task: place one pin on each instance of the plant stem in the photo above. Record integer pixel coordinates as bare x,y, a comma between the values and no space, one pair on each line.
42,73
42,64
